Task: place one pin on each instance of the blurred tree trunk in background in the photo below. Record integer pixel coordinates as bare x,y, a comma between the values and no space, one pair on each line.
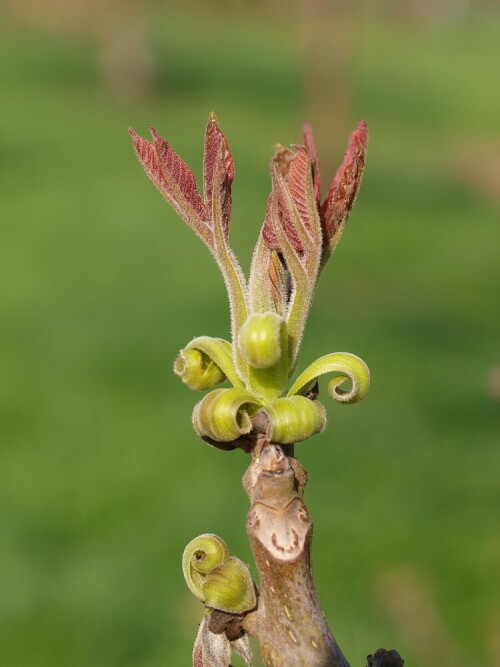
327,28
124,59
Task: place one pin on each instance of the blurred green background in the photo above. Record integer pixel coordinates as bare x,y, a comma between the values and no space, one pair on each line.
102,480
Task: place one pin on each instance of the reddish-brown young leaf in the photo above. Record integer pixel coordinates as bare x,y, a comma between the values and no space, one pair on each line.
282,158
279,280
299,174
217,155
173,178
295,167
316,165
284,222
344,188
267,228
358,141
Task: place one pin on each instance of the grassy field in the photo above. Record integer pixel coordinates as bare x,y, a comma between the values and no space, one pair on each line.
102,480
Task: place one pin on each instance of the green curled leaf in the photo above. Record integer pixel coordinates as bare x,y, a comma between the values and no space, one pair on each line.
346,366
205,362
202,555
294,419
224,415
197,371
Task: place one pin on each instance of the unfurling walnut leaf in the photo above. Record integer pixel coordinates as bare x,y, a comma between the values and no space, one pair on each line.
342,193
316,165
294,165
208,217
217,156
174,179
295,170
297,236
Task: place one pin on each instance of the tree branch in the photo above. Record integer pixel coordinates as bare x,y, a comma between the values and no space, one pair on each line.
288,623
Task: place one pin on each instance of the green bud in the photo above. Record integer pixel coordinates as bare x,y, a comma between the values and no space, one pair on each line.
224,414
294,419
203,554
260,339
218,580
230,588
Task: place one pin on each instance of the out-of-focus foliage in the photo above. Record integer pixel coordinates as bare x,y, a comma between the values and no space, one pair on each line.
102,480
